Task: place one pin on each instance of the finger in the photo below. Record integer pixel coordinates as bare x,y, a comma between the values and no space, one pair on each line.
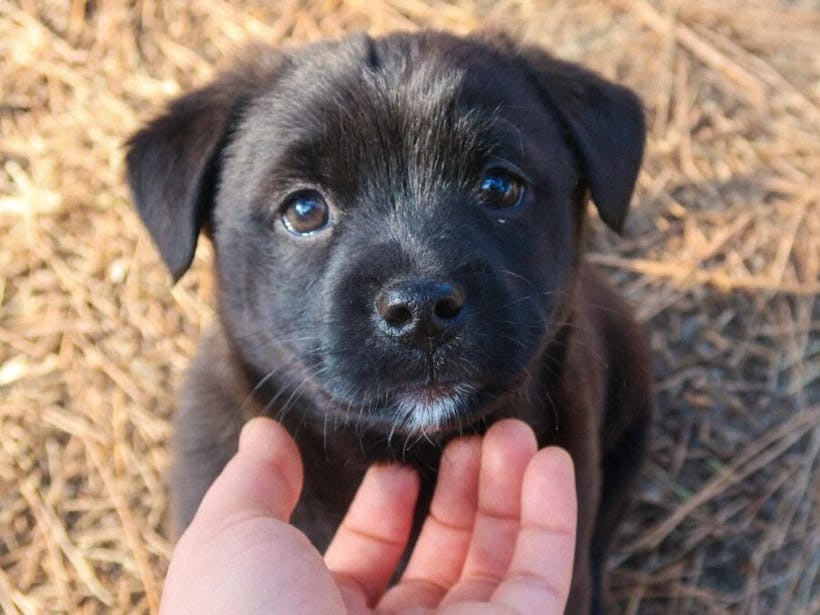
263,479
508,447
369,542
438,556
540,572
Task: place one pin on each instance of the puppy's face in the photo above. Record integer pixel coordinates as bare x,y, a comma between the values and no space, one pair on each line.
395,221
397,233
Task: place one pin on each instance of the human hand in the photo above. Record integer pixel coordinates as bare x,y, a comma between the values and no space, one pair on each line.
499,538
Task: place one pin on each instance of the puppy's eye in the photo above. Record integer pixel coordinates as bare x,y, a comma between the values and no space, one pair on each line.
305,212
500,188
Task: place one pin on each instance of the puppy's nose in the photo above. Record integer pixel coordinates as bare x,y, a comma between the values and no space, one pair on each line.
421,311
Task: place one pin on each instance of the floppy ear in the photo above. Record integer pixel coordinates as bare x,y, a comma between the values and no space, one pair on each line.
173,163
603,122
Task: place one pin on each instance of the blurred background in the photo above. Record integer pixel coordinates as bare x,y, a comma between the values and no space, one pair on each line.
721,258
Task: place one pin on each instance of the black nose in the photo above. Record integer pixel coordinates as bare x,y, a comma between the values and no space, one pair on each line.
421,311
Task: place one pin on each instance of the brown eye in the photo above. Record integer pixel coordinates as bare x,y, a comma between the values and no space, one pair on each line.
500,188
305,213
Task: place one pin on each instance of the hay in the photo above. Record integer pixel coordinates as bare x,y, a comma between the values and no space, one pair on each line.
720,258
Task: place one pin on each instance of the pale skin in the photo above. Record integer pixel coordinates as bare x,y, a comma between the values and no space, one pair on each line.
499,539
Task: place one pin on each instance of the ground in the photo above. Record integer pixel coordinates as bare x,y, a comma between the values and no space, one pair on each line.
721,258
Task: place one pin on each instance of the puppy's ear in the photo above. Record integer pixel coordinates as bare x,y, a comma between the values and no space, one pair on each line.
603,121
173,163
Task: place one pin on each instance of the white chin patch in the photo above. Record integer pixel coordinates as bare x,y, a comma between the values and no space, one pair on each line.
431,408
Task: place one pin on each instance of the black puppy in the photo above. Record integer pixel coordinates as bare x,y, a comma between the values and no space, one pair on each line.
398,225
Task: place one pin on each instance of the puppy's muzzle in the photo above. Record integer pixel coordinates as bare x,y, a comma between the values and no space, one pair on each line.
422,312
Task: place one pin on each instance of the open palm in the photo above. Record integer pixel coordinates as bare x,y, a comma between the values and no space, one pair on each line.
499,537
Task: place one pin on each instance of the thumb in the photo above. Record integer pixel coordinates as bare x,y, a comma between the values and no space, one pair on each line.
239,555
264,478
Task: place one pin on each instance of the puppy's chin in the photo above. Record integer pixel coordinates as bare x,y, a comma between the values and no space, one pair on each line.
438,412
431,409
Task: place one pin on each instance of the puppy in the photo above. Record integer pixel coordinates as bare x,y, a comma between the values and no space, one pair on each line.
398,227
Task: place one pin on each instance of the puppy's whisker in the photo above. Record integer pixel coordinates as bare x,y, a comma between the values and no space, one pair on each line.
522,278
532,298
280,414
390,434
266,378
513,339
294,397
238,411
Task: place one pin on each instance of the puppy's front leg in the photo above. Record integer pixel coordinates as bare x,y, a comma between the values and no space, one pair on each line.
200,453
206,429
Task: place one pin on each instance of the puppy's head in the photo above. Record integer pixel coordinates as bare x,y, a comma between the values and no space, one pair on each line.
396,221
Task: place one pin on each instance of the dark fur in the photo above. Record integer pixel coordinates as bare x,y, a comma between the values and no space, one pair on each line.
396,132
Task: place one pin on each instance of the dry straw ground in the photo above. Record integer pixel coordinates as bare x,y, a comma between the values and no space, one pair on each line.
720,257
